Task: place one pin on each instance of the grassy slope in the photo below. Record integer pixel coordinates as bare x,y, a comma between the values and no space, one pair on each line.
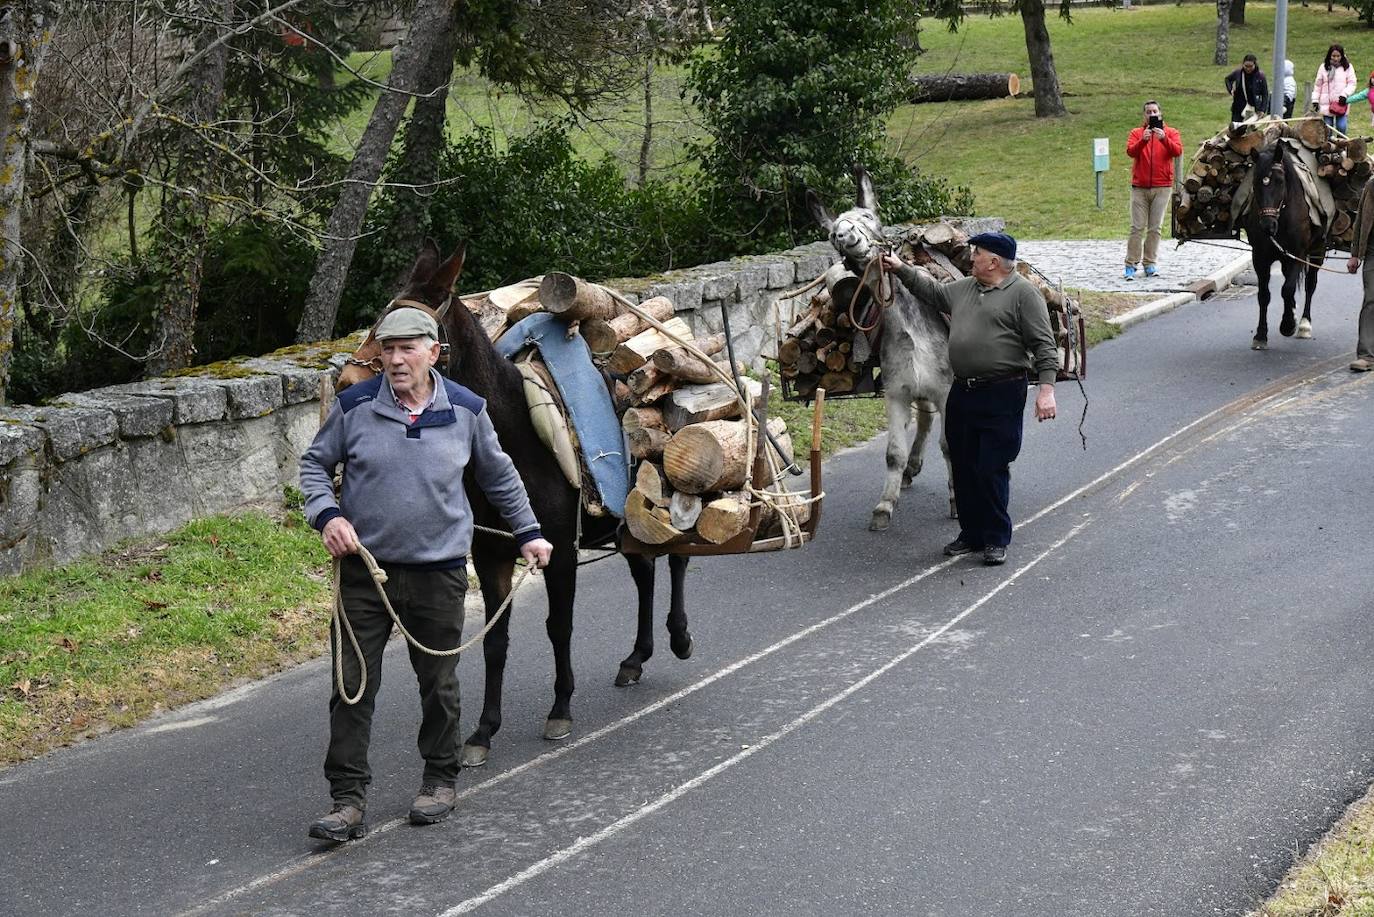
1038,172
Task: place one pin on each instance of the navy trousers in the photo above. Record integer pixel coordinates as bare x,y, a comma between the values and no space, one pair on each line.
983,429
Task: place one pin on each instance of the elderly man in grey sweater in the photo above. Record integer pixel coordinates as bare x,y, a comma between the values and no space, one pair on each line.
996,316
406,438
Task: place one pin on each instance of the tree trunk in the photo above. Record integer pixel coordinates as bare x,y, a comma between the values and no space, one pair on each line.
1049,100
24,36
184,223
1237,15
345,223
422,144
646,145
1223,51
951,87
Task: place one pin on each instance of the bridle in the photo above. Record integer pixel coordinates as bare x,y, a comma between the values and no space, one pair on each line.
375,364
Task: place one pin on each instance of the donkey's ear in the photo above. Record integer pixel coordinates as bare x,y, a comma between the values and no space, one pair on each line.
818,211
425,262
447,274
867,197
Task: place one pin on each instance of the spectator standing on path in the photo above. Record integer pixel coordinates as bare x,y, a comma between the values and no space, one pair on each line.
1248,88
1152,147
1364,96
1290,88
1333,87
995,317
1360,250
407,436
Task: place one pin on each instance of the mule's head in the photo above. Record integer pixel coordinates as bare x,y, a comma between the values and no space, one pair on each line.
1271,186
857,234
431,283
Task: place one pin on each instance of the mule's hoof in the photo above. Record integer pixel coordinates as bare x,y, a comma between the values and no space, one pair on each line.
1259,344
1286,327
557,729
628,675
682,649
1304,330
475,755
881,520
906,482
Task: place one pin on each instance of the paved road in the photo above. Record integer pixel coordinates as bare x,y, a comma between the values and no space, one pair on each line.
1164,691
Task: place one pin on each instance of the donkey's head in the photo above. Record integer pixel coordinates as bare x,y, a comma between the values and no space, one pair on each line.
431,284
857,234
1271,186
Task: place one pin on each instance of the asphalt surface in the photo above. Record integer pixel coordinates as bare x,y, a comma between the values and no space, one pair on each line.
1162,695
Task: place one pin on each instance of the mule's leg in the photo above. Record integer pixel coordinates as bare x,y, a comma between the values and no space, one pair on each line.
560,583
494,575
632,666
1292,271
679,638
925,411
949,466
898,450
1305,325
1262,264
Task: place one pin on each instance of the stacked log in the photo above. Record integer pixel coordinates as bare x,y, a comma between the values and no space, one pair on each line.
1202,204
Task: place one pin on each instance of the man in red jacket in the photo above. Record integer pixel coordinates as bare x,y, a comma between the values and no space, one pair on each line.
1153,146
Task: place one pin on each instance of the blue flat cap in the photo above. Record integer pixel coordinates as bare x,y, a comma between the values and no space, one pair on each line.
999,243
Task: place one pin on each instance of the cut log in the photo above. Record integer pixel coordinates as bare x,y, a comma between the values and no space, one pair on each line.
653,486
723,518
794,507
643,419
1248,143
679,362
788,352
572,298
684,510
1310,131
628,325
599,335
648,523
635,352
962,87
696,403
647,443
622,397
707,456
645,378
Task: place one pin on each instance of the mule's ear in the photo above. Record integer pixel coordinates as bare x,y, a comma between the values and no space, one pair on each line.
867,197
447,274
425,262
818,211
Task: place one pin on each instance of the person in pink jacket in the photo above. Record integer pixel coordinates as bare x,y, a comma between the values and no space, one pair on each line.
1334,84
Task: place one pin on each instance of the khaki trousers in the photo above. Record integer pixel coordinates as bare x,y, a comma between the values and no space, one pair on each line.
1147,216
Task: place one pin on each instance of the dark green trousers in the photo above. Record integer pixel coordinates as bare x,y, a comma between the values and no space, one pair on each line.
430,604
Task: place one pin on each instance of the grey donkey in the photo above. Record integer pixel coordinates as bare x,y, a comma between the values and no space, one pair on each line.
913,349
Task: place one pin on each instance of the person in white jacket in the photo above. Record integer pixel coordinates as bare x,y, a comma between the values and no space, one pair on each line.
1334,84
1290,88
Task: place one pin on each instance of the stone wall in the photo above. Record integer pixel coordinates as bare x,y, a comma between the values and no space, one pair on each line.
93,468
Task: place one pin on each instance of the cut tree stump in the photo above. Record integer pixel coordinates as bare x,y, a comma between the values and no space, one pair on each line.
962,87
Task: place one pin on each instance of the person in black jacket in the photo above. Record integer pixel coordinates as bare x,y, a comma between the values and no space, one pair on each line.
1247,87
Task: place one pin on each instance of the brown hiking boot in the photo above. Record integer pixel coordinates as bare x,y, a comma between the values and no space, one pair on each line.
343,823
432,804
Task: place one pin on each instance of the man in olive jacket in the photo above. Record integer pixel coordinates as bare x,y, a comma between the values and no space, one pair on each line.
1360,250
995,317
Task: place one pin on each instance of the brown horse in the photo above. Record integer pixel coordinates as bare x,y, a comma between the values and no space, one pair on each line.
474,363
1279,228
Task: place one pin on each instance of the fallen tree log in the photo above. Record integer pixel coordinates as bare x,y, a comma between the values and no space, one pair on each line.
962,87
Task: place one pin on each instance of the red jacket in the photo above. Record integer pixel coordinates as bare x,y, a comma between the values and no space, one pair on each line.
1154,158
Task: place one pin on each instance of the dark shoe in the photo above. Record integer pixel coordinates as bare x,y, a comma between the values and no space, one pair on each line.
957,547
1362,365
994,555
343,823
432,804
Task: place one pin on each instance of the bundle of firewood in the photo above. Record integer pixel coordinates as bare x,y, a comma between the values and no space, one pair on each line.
683,415
1203,204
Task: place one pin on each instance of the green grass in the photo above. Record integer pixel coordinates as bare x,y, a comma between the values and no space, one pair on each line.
1037,172
1336,878
107,641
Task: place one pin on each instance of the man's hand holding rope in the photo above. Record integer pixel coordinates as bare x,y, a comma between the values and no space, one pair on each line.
341,540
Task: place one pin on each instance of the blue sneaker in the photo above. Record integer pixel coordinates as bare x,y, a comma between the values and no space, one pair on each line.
1151,271
1130,272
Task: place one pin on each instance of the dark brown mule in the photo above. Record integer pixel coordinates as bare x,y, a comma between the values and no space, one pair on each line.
475,364
1279,228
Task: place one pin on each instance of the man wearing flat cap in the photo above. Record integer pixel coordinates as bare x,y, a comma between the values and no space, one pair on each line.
996,317
407,436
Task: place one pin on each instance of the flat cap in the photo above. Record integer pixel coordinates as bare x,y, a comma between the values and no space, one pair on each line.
999,243
407,322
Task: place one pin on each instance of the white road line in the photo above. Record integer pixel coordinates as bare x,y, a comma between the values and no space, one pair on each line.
554,860
315,859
